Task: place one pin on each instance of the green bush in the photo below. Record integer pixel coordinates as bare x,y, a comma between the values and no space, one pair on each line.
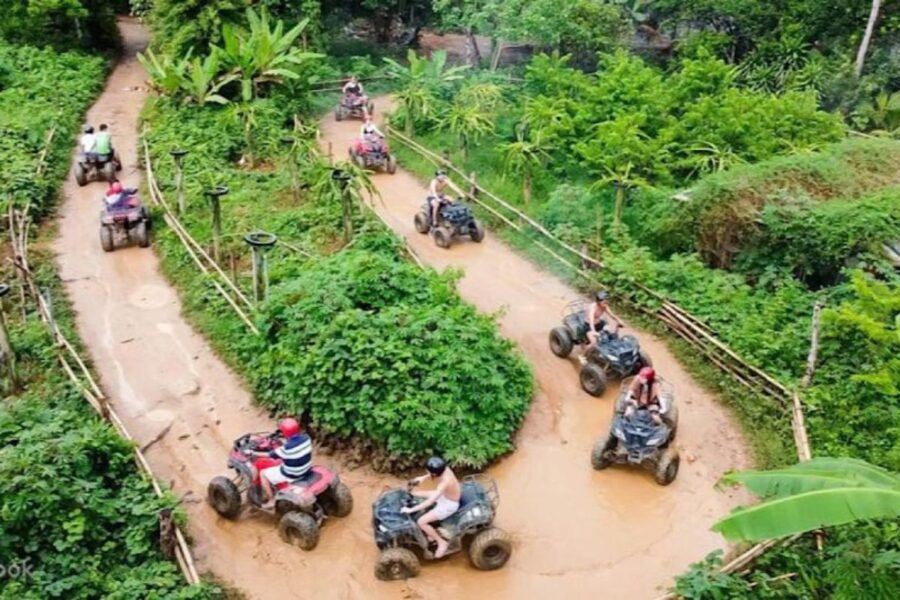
43,90
360,340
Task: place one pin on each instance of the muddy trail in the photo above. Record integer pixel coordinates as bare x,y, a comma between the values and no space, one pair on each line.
576,531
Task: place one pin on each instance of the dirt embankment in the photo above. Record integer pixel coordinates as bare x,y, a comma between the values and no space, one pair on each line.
577,531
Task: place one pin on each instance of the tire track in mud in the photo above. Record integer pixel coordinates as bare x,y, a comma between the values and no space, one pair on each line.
577,532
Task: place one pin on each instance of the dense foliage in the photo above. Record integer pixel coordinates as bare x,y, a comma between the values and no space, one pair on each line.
40,91
64,23
358,339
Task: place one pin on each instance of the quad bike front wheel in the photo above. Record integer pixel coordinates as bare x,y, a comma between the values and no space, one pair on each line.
339,500
80,175
370,108
442,237
667,467
490,549
477,231
142,234
645,360
561,343
106,238
224,496
599,457
392,164
299,529
671,419
593,379
394,564
420,221
338,114
360,161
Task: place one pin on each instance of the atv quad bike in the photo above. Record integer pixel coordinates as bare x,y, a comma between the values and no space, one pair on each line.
353,106
373,153
301,505
454,219
637,440
403,544
125,221
96,167
612,356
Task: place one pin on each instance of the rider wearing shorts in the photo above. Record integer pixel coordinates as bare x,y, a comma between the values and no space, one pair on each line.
445,500
295,455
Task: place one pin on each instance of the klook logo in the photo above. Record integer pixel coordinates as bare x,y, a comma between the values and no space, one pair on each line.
20,569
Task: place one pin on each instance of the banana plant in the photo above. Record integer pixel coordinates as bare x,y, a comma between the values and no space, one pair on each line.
263,53
468,122
203,84
420,83
167,74
821,492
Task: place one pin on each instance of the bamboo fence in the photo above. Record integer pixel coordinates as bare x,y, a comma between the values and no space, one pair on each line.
679,321
79,374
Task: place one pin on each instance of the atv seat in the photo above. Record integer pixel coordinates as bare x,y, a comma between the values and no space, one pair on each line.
314,481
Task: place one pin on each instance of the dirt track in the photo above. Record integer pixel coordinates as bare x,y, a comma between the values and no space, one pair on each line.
578,532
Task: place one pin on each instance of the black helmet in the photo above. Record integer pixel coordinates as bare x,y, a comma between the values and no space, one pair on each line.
89,129
601,295
436,466
440,173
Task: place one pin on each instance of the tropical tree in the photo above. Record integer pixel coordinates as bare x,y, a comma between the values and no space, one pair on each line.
204,82
166,73
821,492
420,82
620,154
263,53
524,157
468,122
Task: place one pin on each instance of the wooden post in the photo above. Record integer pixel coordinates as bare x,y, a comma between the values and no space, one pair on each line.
214,196
178,155
473,187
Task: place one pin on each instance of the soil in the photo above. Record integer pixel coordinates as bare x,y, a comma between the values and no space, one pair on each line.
576,531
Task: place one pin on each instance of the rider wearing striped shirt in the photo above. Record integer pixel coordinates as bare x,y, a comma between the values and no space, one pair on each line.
296,457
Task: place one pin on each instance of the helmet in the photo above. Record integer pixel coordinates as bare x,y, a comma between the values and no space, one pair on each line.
115,188
436,466
601,295
289,427
440,174
88,129
647,374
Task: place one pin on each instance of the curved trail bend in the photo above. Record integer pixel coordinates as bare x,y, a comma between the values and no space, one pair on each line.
578,532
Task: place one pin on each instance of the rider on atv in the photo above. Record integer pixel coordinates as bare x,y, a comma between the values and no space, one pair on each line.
353,87
119,197
295,455
598,319
643,394
436,196
445,499
369,129
88,142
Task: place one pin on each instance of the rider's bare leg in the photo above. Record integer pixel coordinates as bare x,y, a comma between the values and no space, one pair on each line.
424,523
268,492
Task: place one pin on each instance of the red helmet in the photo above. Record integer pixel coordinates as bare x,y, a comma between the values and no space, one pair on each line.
647,374
115,188
289,427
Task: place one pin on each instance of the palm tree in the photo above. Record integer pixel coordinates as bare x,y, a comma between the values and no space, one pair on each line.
821,492
523,157
420,82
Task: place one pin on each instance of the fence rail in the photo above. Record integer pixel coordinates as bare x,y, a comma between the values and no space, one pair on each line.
79,374
679,321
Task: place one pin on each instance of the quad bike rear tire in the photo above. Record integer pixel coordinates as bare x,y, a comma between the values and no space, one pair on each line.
224,496
477,231
142,234
420,222
667,467
109,171
490,549
339,500
106,238
80,174
593,379
360,161
392,164
561,342
338,114
394,564
671,419
599,459
442,237
299,529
